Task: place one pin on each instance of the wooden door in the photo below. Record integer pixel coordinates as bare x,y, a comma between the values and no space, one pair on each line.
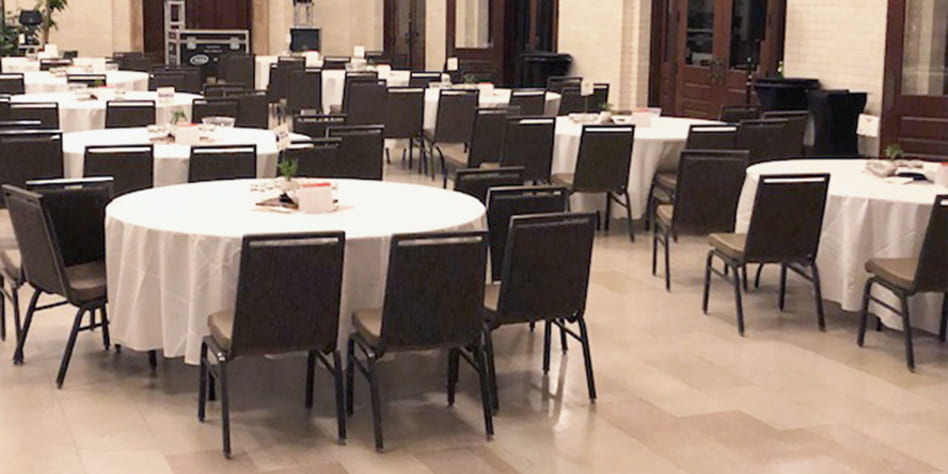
915,94
475,35
404,34
218,14
709,49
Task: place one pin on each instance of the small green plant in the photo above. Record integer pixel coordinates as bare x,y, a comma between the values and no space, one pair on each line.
287,168
178,116
470,78
893,151
606,107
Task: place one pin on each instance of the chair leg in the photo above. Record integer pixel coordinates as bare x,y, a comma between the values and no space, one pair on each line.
547,328
782,294
818,296
907,329
388,156
350,375
454,358
608,212
70,344
744,276
864,313
760,270
225,408
667,251
737,300
480,355
340,396
202,383
15,302
310,378
650,206
655,250
944,317
587,357
106,338
491,369
153,361
563,341
707,283
21,340
3,313
376,404
628,215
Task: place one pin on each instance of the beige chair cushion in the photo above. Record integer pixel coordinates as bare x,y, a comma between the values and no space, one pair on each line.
7,237
335,109
10,259
221,325
731,245
898,271
491,165
87,280
667,180
664,213
563,179
491,296
368,324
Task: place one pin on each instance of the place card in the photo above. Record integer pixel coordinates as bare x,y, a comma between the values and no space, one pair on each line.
282,136
315,198
452,64
358,52
165,92
586,88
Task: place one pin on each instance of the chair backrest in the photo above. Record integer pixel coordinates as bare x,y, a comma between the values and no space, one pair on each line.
572,100
316,158
505,202
253,110
356,76
226,107
40,256
763,139
278,87
30,154
291,61
131,166
423,78
46,64
304,91
365,102
455,121
90,80
136,62
546,267
77,208
237,68
932,271
288,293
787,218
315,126
738,113
556,83
711,137
709,186
530,101
4,107
221,89
12,83
487,137
192,79
335,62
167,79
46,112
208,163
404,112
477,181
129,113
529,143
794,131
21,125
605,154
434,293
360,154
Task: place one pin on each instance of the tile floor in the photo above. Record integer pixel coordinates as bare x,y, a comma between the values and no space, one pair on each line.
679,392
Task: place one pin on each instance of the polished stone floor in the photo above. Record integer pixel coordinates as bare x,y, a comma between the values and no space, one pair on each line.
678,392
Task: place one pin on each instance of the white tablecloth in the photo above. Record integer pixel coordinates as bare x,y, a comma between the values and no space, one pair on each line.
37,82
865,218
171,160
495,98
23,64
78,115
657,147
173,253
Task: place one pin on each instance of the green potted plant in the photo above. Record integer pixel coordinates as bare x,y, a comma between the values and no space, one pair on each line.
287,169
893,151
49,8
605,112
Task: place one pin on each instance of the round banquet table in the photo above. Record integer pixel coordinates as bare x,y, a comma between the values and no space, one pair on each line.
76,115
496,98
865,217
37,82
173,253
657,147
24,64
171,160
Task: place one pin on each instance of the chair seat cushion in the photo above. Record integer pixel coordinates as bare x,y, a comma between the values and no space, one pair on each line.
10,259
898,271
87,280
564,179
731,245
368,324
668,181
664,213
491,165
221,325
335,109
454,155
491,296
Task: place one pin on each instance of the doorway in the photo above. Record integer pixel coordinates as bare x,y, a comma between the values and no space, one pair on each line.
404,33
706,50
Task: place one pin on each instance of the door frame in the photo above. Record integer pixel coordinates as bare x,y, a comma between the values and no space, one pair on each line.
390,39
486,63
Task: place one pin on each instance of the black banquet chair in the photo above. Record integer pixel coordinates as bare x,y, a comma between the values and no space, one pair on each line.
427,305
132,167
288,293
454,124
217,162
30,154
405,117
12,83
503,203
361,152
476,182
223,107
315,126
784,228
906,277
532,102
129,113
315,158
46,112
